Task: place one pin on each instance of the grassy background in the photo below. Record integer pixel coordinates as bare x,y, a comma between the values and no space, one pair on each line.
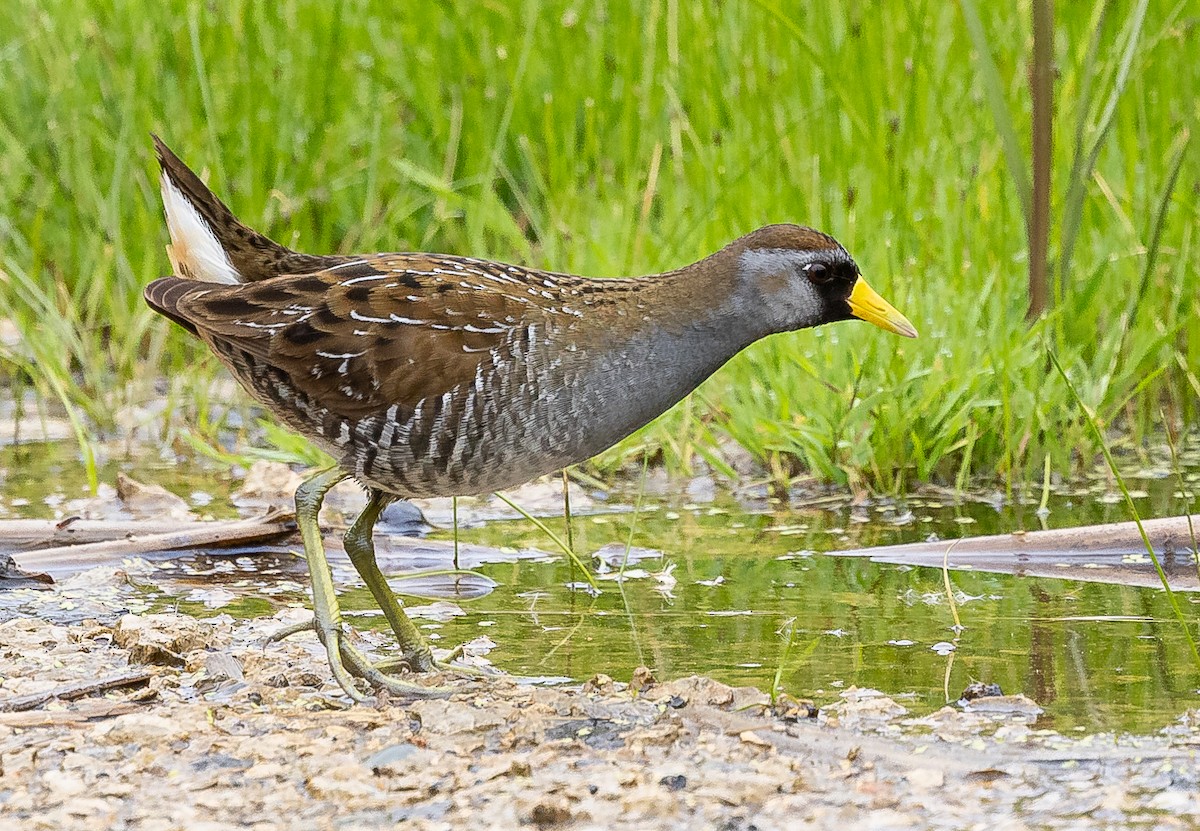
610,139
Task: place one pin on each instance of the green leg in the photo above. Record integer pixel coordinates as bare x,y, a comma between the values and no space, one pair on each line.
360,546
345,659
414,649
328,623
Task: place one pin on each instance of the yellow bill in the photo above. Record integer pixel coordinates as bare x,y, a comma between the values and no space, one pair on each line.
866,304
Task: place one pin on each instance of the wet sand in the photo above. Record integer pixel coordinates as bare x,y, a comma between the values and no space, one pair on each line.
217,731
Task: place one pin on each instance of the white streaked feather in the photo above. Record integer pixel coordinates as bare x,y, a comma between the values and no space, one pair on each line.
195,250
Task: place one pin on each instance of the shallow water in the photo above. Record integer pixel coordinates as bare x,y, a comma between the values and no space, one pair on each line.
733,580
1094,656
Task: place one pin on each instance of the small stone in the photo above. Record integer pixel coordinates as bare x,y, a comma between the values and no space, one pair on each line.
745,698
546,814
862,706
599,683
141,728
676,782
447,718
63,784
162,639
266,770
702,489
1015,705
151,501
979,690
333,786
696,689
1175,801
221,666
389,756
642,680
750,737
268,485
792,709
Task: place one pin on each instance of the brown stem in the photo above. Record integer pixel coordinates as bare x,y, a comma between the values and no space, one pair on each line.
1041,83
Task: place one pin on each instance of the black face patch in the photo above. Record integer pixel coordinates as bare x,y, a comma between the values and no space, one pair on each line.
840,275
832,272
846,271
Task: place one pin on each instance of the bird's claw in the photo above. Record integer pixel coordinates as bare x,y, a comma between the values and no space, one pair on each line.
347,661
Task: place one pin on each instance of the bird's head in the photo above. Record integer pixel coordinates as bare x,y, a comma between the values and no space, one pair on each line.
805,278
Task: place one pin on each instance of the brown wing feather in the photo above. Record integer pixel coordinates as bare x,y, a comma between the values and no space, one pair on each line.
363,336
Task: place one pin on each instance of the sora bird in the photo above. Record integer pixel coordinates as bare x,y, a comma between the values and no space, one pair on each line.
439,375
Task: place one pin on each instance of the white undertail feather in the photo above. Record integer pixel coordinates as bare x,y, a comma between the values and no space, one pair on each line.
195,251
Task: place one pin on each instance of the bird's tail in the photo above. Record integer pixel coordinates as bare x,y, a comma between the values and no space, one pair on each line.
208,242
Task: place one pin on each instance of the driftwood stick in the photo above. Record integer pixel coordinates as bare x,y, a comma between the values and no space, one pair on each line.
1166,534
75,689
198,535
26,534
86,712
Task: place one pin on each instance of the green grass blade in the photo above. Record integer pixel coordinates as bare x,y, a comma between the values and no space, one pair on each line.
1133,511
1073,215
993,89
1177,153
555,538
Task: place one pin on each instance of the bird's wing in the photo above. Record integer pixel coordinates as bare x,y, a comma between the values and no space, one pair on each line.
373,332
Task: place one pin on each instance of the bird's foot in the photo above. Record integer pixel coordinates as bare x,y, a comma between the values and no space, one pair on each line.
446,664
347,662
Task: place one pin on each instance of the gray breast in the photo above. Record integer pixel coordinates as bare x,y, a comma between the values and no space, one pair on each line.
534,407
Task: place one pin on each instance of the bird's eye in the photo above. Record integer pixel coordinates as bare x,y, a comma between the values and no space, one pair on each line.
818,273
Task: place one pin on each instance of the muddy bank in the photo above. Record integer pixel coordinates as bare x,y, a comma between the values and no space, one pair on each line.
215,731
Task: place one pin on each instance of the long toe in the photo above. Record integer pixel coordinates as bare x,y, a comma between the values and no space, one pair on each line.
361,665
464,670
285,632
334,641
347,662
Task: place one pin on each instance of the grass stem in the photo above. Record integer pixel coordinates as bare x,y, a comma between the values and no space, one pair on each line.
1133,511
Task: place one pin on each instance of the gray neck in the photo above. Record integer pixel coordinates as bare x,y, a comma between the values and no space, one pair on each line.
659,364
